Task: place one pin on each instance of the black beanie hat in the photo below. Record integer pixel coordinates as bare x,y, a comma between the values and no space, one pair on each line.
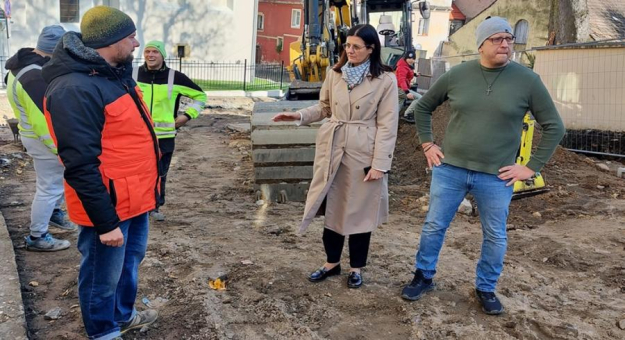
103,26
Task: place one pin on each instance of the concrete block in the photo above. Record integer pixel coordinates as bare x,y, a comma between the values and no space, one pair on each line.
620,172
13,320
284,192
239,127
465,207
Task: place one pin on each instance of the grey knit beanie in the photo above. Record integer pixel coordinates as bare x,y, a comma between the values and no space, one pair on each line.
490,26
48,38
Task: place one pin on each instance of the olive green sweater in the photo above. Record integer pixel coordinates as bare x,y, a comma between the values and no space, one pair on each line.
484,131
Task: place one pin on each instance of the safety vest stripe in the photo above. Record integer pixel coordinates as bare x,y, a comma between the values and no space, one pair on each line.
23,116
170,82
197,105
30,134
164,125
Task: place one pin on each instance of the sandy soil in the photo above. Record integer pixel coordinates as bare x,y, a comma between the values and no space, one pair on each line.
564,276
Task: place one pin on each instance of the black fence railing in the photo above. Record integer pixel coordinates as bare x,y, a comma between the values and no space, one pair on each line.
231,76
3,71
597,142
220,76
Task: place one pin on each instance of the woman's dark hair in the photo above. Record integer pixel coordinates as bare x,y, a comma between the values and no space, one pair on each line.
369,35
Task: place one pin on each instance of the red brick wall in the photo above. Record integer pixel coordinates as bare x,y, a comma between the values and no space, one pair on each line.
277,19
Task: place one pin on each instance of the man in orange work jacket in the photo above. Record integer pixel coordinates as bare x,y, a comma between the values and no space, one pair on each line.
105,139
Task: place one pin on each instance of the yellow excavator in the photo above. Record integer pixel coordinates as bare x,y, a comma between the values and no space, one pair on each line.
283,154
326,23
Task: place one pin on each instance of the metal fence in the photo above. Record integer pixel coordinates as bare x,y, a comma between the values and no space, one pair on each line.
220,76
587,84
3,71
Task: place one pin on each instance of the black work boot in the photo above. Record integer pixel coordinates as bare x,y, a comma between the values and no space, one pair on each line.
417,287
490,303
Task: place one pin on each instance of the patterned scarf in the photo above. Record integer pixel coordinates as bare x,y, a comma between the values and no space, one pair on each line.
354,75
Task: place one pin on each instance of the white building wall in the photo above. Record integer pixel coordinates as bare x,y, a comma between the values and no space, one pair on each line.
438,28
214,30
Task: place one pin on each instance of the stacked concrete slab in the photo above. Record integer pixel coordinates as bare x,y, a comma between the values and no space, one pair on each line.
283,153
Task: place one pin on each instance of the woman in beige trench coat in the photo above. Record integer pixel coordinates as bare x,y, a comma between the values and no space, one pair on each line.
354,150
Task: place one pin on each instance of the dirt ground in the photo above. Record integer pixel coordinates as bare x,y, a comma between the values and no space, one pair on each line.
564,275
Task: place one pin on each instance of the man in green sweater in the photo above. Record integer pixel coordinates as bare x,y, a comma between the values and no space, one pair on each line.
489,98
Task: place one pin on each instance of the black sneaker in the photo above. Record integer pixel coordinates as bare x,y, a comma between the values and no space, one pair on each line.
418,287
490,303
408,118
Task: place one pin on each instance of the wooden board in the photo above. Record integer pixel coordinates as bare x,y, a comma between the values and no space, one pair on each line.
282,106
284,137
290,155
276,173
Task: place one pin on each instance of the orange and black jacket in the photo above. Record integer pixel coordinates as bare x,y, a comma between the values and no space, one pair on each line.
104,136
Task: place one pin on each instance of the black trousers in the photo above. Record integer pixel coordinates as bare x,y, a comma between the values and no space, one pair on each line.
167,146
358,247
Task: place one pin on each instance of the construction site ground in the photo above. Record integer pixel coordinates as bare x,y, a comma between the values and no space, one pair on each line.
564,275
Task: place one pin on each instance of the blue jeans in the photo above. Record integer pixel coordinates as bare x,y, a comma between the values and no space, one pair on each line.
449,186
107,282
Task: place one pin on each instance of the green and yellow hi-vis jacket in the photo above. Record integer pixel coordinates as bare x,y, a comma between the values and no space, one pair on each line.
162,91
25,91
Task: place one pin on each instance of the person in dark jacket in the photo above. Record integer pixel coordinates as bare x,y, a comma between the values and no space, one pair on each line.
405,74
106,141
25,91
165,91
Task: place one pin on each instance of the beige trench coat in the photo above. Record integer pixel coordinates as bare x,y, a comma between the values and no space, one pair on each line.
360,132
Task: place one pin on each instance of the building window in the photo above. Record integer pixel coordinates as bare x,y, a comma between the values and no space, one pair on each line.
111,3
261,22
455,25
279,44
296,18
424,26
70,11
521,30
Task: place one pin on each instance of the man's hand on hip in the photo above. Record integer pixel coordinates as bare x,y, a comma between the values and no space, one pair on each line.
114,238
515,173
433,154
181,120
